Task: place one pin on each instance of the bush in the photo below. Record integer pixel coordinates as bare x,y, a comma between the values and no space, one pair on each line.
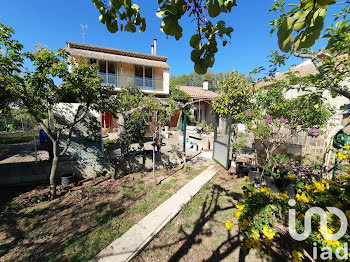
134,130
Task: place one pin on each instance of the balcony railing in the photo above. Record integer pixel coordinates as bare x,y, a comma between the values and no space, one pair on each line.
146,84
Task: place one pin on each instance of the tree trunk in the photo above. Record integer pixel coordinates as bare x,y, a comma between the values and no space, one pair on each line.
53,171
154,163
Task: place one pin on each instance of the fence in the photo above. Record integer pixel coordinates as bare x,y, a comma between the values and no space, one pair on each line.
17,122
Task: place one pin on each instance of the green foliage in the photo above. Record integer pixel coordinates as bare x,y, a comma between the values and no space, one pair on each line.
194,79
207,129
126,16
179,95
306,21
134,129
235,95
301,26
240,140
261,212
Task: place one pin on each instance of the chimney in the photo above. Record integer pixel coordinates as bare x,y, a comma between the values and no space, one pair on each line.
155,46
205,85
152,49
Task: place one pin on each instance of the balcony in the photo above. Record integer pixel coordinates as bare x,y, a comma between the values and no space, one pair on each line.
146,84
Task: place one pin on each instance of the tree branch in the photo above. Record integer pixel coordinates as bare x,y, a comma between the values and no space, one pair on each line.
331,85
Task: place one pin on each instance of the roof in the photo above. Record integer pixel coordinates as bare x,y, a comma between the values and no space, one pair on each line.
196,92
305,68
117,55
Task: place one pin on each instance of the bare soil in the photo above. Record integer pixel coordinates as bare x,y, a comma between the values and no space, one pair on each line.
198,232
84,218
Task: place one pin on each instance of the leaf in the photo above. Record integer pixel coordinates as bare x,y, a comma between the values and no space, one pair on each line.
300,23
97,3
143,25
286,45
112,26
306,38
195,40
130,28
213,8
200,68
305,4
285,29
170,26
116,4
326,2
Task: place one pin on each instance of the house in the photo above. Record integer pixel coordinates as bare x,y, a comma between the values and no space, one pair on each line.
315,145
306,68
200,98
121,67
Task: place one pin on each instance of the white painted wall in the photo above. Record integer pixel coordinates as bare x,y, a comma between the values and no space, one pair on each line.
166,81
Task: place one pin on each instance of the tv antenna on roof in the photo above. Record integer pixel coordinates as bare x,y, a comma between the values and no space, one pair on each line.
84,27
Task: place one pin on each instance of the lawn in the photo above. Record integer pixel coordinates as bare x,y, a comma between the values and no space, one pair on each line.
198,232
84,219
19,139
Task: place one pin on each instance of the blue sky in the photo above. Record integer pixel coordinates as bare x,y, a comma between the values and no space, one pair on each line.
54,22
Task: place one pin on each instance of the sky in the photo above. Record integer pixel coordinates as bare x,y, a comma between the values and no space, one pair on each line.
52,23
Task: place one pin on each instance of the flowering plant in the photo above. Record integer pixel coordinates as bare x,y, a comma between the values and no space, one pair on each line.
293,169
261,213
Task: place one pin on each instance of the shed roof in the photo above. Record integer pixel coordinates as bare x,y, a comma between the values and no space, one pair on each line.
196,92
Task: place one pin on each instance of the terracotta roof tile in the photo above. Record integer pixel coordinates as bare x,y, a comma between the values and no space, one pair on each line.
198,92
116,51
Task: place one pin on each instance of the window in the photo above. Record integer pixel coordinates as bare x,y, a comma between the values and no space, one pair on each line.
111,68
108,71
138,71
102,66
144,76
148,72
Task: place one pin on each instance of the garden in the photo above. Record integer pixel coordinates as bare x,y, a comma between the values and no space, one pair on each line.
288,199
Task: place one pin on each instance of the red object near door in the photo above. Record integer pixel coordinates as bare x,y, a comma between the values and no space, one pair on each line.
106,120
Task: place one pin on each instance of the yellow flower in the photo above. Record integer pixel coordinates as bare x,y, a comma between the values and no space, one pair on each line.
340,156
291,176
283,195
266,190
304,198
298,256
255,234
347,147
237,214
319,187
228,225
240,207
333,243
253,243
268,232
309,187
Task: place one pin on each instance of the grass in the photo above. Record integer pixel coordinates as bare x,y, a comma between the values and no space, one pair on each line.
18,139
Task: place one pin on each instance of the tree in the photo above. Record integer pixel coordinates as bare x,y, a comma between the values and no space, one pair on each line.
124,15
275,119
235,91
38,93
298,29
194,79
